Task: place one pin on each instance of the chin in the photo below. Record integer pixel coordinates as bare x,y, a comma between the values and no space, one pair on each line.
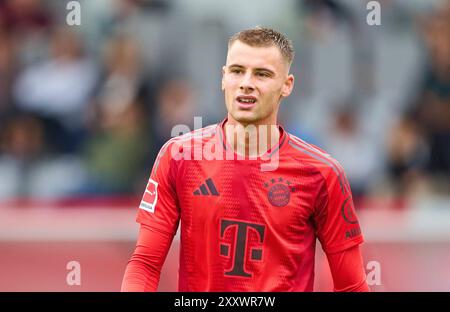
246,118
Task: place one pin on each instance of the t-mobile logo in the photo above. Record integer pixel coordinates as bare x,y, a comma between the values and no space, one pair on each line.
240,248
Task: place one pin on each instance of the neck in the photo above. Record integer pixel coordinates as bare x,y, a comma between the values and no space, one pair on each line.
251,140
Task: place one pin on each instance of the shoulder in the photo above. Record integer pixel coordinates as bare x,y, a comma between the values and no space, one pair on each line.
197,134
309,154
332,176
187,141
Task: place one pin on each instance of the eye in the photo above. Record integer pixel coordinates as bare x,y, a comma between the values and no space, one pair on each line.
236,70
262,74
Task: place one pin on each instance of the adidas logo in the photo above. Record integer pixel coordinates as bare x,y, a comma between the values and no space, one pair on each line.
203,189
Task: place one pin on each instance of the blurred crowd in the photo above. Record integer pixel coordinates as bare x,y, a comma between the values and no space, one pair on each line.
84,109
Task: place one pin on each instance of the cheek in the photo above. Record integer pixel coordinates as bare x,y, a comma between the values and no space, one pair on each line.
272,93
231,86
228,84
229,94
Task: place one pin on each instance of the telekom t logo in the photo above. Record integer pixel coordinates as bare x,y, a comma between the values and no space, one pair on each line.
240,248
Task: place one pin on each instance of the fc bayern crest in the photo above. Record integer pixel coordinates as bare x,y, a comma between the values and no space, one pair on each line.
279,191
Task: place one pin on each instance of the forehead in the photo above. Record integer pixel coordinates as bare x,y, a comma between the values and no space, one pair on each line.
258,57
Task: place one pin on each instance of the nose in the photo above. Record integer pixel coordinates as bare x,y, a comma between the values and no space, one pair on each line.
247,84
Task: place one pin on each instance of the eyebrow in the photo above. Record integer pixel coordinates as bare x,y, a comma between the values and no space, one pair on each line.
256,69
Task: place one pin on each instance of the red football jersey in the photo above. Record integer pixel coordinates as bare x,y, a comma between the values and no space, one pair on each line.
245,227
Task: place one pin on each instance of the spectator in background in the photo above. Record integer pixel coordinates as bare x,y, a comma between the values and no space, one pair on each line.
23,138
28,22
21,146
113,152
6,71
432,111
23,28
418,144
408,154
346,139
58,90
27,169
24,16
175,104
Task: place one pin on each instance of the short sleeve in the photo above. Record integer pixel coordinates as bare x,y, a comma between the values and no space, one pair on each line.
337,226
159,205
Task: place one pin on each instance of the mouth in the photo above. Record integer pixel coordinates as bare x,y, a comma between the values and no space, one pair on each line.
246,101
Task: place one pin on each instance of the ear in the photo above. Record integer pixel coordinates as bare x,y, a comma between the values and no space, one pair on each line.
288,86
223,77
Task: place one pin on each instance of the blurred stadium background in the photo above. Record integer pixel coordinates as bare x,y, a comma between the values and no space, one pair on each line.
84,110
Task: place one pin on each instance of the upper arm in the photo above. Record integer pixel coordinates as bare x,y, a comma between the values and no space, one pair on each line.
159,207
337,225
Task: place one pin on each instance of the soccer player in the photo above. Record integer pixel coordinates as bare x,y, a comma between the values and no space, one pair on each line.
250,210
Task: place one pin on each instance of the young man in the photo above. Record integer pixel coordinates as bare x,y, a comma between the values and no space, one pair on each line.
251,198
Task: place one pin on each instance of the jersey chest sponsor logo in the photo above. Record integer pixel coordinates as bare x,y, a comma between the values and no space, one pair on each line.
279,191
239,234
150,197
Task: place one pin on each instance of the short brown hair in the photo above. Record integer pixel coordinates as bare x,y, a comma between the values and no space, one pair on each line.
265,37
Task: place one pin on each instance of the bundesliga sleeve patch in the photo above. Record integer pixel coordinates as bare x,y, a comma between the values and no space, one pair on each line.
150,197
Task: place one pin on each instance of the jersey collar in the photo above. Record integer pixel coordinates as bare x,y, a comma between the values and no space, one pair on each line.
267,155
